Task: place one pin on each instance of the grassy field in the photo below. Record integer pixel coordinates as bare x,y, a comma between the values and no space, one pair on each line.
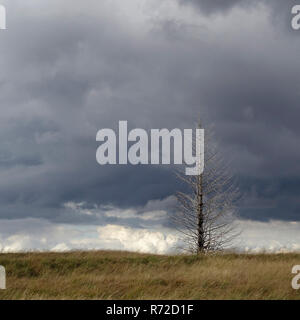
123,275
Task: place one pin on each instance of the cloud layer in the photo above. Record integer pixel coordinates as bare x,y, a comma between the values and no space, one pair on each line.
36,234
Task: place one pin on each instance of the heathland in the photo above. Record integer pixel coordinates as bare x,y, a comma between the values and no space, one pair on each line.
125,275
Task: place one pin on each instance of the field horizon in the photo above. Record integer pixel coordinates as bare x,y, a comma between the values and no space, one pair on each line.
129,275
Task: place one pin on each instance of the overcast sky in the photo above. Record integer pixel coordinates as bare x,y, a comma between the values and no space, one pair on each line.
69,68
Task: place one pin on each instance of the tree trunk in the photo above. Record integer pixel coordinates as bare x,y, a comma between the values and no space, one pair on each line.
200,221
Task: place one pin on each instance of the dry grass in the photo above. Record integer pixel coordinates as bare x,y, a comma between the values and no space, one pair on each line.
123,275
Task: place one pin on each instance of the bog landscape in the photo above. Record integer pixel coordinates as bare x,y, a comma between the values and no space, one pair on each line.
125,275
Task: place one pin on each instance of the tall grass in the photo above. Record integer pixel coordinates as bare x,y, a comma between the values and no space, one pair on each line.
124,275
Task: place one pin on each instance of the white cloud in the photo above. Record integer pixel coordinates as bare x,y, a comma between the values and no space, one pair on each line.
154,211
37,234
272,236
61,247
140,240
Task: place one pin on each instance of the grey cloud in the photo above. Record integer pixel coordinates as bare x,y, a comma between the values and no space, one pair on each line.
215,6
279,10
66,75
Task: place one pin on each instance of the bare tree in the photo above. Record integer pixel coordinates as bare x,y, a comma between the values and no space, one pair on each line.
207,209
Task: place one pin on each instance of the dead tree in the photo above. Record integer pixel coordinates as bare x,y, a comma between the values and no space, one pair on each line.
207,209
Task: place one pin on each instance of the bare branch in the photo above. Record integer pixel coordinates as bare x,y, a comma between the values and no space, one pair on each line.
205,213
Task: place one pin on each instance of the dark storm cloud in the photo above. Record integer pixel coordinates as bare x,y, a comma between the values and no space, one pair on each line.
280,10
218,6
69,70
215,6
